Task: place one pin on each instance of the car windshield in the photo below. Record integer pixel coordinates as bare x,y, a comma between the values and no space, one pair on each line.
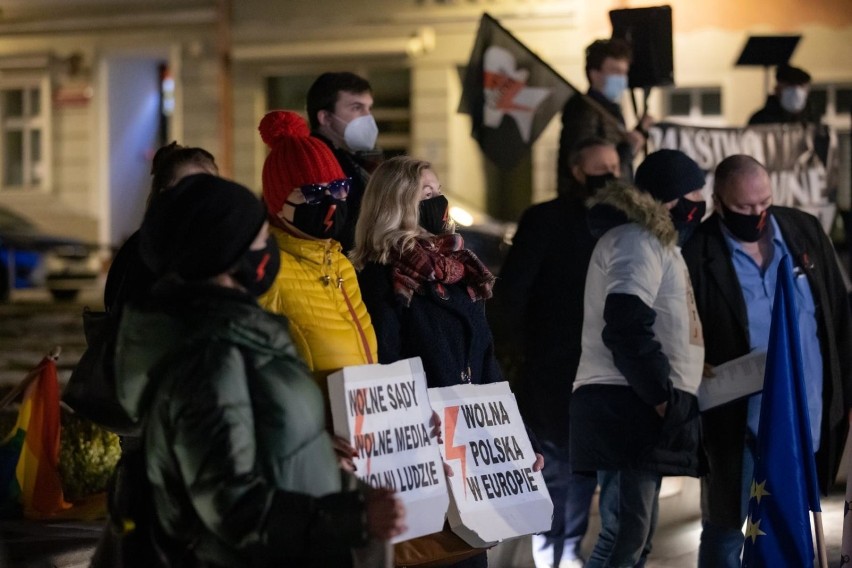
13,222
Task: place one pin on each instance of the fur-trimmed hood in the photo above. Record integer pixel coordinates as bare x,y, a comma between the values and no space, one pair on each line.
619,203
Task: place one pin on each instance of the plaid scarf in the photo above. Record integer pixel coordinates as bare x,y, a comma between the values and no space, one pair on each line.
441,260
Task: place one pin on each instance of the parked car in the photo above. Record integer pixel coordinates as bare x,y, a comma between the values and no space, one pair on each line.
30,258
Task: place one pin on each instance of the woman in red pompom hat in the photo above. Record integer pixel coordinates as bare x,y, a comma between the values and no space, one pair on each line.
316,289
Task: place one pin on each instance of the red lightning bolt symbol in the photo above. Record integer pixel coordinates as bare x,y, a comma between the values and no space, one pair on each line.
328,222
261,268
508,89
451,415
360,394
691,214
762,222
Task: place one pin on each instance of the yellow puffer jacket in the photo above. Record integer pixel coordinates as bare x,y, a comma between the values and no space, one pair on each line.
317,290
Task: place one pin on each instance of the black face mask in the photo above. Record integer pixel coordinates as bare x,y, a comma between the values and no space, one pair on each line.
748,228
686,216
434,213
596,182
323,220
257,269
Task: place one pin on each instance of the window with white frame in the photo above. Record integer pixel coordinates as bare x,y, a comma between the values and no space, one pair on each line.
694,105
22,135
833,103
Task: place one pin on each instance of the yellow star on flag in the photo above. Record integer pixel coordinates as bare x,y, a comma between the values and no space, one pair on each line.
753,530
758,490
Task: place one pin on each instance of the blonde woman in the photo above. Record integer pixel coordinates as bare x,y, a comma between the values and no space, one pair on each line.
425,292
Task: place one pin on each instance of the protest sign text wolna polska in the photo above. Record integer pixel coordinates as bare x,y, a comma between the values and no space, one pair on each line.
495,493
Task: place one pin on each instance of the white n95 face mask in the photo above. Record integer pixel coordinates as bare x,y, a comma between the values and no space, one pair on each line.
793,99
361,133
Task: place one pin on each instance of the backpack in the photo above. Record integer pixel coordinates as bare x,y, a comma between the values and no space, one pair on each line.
90,391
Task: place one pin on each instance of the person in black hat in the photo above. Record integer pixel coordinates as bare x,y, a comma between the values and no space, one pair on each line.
789,102
634,413
241,469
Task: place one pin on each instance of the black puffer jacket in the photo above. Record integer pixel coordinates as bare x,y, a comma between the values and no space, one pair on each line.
237,454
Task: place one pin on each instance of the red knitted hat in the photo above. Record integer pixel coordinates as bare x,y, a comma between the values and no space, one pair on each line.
295,159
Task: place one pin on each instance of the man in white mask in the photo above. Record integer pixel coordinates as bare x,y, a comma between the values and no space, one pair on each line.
789,101
340,114
598,114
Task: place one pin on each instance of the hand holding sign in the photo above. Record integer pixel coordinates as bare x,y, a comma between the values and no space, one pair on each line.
497,493
383,413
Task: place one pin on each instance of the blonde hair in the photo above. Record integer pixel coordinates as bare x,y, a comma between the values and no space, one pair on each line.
389,218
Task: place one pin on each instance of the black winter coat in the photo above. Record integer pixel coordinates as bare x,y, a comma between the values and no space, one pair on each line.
582,119
723,314
450,335
539,298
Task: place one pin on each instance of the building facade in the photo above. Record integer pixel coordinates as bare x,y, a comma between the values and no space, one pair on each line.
90,88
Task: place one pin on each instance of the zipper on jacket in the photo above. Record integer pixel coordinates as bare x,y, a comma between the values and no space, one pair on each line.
356,321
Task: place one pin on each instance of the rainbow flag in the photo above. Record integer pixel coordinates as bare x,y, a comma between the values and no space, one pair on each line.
29,456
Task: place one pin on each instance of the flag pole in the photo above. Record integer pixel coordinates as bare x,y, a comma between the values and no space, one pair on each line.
29,378
822,554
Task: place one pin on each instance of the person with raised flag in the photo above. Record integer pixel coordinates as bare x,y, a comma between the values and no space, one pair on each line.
634,412
598,113
733,260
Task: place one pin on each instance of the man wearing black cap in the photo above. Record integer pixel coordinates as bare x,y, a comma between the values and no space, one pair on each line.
241,470
789,102
634,414
733,261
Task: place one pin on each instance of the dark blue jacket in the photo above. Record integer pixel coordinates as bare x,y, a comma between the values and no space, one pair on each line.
450,335
539,301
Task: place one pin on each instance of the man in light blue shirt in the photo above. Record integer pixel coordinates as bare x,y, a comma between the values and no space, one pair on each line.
733,261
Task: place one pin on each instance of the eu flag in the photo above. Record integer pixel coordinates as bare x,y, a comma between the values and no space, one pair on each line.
784,488
510,93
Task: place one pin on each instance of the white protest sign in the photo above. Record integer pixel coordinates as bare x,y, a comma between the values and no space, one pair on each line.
495,493
384,412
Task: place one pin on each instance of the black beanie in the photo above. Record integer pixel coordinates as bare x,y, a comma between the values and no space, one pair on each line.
791,75
200,228
668,175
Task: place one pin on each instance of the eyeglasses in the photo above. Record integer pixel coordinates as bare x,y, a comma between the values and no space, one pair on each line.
338,189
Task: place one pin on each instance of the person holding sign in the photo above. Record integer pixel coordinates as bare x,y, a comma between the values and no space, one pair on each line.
240,467
634,413
425,292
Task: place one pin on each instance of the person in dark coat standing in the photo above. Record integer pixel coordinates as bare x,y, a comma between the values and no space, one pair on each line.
634,413
598,112
539,297
241,470
425,292
128,277
733,261
339,109
788,104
